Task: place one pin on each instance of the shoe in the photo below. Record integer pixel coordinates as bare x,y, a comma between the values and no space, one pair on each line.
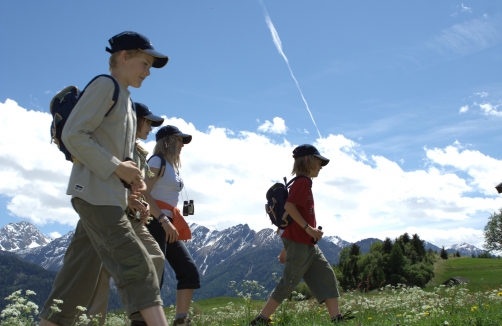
138,323
183,321
260,321
341,318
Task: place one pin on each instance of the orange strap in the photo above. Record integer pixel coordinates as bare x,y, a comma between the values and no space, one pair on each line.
178,221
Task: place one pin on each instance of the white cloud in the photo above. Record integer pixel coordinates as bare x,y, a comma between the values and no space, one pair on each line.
55,235
277,126
464,109
490,109
468,37
480,168
227,173
465,8
481,94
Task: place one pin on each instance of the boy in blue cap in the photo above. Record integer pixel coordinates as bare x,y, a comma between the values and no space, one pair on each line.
100,178
301,257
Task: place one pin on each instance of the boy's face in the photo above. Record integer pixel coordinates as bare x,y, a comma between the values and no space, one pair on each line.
318,166
137,68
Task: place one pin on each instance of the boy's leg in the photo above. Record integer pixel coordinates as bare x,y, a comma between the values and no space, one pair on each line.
99,301
122,254
321,280
75,282
298,260
332,306
155,254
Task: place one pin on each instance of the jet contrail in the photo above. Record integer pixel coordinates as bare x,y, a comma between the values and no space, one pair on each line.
278,45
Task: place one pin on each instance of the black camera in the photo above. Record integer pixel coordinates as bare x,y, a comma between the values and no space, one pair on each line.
188,208
499,188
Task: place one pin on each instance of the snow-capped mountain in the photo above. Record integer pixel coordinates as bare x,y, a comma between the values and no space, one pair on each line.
464,249
22,235
49,256
337,241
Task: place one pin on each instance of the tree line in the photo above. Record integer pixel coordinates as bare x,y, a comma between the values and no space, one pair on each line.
404,260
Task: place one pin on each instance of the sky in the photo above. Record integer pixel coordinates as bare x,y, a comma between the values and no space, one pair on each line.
404,97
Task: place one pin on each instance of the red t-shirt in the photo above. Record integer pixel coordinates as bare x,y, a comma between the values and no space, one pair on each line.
300,194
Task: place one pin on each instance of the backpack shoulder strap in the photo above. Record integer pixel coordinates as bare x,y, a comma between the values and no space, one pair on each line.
297,177
162,163
115,95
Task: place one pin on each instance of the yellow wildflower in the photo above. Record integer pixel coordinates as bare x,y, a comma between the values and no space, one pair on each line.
369,318
499,294
474,308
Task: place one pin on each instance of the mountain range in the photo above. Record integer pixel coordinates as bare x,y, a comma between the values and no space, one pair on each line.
234,254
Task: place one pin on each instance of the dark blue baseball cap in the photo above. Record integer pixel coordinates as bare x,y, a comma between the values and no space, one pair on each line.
306,149
135,41
143,111
172,131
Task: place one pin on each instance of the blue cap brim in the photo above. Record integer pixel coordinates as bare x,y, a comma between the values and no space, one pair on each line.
156,121
160,59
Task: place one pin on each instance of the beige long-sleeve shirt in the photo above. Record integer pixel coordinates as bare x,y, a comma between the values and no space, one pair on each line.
100,143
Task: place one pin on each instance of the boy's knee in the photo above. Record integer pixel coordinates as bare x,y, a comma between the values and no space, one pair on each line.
125,259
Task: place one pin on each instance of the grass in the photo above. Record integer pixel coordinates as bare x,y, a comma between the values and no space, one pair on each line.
478,303
482,273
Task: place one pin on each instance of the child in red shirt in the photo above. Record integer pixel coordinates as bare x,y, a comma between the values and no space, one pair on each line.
301,256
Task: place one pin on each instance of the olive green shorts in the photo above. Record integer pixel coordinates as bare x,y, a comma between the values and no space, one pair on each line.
104,235
307,262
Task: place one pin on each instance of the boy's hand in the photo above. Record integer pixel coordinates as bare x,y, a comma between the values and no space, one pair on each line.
282,256
316,234
128,172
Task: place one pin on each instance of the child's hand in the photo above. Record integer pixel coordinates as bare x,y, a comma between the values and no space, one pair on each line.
135,205
128,172
172,233
316,234
146,211
282,256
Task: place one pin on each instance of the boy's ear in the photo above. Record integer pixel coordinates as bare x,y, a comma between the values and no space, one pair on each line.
123,56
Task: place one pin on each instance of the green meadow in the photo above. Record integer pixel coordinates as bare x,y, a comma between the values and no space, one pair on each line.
482,273
478,302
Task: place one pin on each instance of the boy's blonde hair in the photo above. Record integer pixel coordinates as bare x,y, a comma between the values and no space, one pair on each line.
168,148
129,54
304,165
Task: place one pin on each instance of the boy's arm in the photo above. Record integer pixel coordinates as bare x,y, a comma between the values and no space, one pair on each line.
84,119
297,217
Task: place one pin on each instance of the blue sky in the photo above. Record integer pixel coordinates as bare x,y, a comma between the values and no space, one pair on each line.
406,96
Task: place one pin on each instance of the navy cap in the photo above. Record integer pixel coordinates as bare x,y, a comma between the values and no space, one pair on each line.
306,149
172,131
135,41
143,111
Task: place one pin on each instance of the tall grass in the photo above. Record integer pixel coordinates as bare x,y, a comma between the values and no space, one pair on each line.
401,305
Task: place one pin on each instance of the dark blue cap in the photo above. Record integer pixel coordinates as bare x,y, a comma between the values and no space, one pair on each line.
143,111
172,131
135,41
306,149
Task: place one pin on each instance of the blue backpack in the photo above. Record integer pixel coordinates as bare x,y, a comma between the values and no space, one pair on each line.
61,106
276,199
162,164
